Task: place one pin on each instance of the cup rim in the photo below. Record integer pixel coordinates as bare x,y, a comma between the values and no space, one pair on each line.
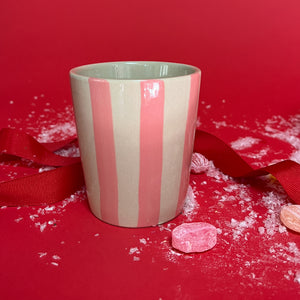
74,72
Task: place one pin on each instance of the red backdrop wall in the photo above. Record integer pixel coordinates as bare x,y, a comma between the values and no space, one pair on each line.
248,51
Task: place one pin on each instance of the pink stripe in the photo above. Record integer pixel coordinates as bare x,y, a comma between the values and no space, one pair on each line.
189,139
105,149
151,151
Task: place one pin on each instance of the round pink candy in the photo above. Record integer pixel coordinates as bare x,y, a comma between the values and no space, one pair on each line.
194,237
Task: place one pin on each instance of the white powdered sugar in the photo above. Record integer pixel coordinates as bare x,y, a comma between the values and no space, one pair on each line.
296,156
297,277
70,151
61,129
42,254
285,130
49,124
48,217
134,250
53,259
273,202
143,241
238,227
191,205
251,238
246,215
244,143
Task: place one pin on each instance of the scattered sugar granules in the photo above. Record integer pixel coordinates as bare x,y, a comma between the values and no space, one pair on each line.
297,277
42,254
134,250
231,203
273,202
191,205
143,241
240,226
41,226
244,143
244,217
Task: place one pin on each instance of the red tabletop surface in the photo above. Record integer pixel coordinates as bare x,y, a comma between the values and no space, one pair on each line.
248,52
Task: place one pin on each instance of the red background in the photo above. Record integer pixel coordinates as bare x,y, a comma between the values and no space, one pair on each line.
248,52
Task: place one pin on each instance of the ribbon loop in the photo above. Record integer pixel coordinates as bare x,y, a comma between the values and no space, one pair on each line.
57,184
13,142
287,172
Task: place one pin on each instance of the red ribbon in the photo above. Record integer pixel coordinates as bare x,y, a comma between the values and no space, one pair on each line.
67,176
287,172
42,188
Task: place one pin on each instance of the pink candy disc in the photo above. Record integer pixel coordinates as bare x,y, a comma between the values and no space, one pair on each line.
290,217
194,237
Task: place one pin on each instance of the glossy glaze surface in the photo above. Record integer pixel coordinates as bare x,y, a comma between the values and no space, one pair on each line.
143,137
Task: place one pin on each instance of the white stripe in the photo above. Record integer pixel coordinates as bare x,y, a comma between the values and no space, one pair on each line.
177,93
85,132
126,99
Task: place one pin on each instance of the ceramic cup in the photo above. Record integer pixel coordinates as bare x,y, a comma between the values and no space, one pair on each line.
136,125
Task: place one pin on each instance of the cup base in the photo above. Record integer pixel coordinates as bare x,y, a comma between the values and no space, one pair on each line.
132,227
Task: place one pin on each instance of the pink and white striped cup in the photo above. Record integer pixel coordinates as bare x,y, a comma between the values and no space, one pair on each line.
136,124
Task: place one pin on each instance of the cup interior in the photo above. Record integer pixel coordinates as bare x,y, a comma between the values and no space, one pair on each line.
134,70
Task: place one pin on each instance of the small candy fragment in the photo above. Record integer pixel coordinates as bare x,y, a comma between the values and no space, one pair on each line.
194,237
290,217
200,163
